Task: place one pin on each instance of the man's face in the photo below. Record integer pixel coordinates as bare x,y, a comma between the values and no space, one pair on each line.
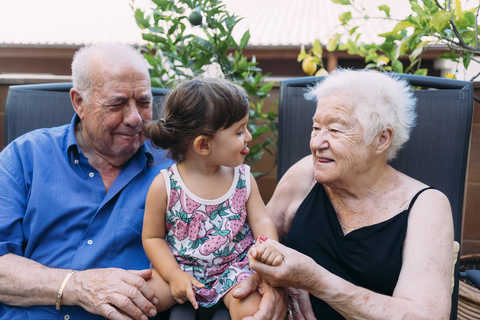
120,104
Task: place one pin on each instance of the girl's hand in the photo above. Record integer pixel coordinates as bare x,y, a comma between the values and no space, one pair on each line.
181,284
295,270
266,252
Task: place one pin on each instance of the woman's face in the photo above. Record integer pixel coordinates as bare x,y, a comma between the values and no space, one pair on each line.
337,142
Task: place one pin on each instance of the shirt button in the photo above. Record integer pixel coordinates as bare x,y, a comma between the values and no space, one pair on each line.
66,317
89,242
76,161
91,174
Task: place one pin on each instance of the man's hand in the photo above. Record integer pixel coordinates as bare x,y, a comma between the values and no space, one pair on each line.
113,293
274,300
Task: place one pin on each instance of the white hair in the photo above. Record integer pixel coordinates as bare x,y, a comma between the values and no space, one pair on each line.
378,100
83,66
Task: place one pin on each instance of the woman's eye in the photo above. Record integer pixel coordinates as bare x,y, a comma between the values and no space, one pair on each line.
240,133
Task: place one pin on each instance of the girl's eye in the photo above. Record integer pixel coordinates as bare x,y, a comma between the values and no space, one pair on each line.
240,133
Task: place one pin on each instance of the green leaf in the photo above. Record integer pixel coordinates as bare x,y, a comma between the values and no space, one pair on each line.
153,38
303,54
345,17
204,45
331,44
352,31
244,41
386,9
156,29
416,8
418,50
266,87
317,48
141,21
402,25
164,5
397,66
441,20
470,18
466,60
449,56
421,72
342,2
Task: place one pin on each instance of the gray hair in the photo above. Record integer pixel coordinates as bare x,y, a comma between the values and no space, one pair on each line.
379,101
83,64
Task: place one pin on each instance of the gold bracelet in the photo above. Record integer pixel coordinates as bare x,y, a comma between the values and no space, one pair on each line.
60,292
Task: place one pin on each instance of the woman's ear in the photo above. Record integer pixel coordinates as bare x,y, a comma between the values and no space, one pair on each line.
384,139
201,145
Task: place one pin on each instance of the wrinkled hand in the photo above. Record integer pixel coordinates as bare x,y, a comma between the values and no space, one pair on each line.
274,300
294,270
113,293
181,287
299,304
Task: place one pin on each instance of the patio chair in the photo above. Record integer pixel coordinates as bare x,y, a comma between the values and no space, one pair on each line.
436,153
30,107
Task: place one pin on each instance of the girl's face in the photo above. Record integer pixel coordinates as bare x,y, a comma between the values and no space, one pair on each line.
229,146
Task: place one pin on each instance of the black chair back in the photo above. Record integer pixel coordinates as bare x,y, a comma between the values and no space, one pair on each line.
436,153
34,106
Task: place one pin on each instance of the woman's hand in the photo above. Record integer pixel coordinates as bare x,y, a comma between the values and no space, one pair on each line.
299,305
181,287
273,305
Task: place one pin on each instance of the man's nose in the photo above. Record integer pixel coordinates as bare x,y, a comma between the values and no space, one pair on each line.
131,116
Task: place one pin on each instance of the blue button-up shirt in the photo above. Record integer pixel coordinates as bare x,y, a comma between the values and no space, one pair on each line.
54,209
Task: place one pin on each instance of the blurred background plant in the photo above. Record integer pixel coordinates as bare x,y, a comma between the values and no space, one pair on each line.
189,38
430,22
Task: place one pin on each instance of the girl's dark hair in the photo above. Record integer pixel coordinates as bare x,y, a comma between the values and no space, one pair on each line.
197,107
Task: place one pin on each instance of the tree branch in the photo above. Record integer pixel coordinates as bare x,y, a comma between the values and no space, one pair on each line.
438,4
476,27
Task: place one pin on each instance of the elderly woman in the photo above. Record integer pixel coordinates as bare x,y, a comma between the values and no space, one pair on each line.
364,240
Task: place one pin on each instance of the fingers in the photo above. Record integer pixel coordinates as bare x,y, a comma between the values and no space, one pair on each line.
247,286
112,293
191,297
197,283
267,254
299,304
273,304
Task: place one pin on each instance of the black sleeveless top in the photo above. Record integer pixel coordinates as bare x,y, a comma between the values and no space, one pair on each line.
369,257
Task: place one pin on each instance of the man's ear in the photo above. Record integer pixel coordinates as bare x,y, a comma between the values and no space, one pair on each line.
384,139
77,102
201,145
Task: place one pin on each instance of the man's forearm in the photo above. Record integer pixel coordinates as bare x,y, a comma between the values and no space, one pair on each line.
24,282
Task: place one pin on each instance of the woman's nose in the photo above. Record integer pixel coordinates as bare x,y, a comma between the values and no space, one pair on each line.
320,140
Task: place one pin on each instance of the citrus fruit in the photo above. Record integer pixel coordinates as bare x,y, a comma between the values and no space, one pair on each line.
309,66
195,18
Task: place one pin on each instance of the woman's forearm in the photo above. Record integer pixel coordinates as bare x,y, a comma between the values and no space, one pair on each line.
24,282
355,302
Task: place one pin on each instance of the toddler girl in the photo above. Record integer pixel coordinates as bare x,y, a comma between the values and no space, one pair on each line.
196,229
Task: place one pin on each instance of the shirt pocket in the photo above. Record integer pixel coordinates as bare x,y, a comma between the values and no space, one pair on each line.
127,249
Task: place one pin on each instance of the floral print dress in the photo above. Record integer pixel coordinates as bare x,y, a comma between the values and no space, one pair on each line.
210,239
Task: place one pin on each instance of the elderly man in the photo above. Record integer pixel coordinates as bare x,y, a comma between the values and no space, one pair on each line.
72,200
